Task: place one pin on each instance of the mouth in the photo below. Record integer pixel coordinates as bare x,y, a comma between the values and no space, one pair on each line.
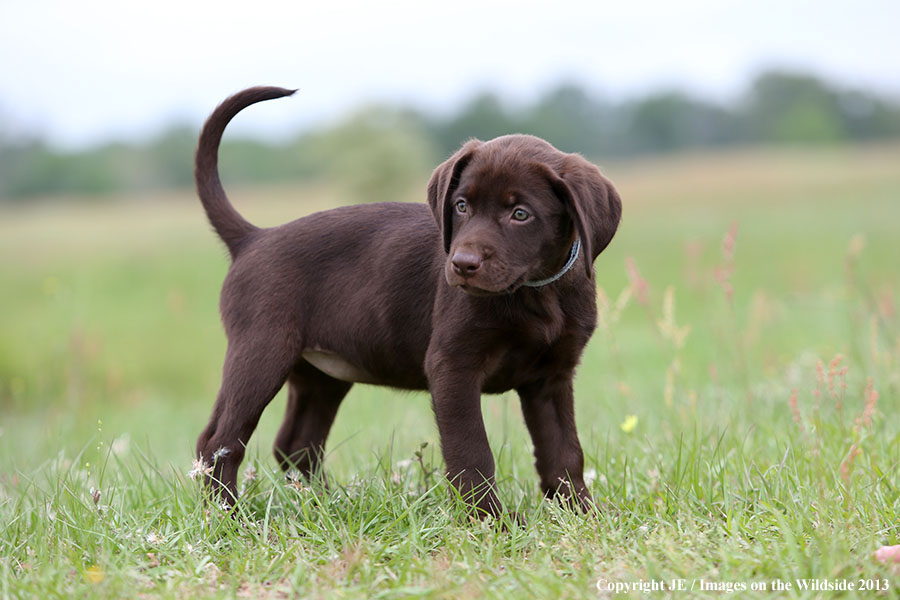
473,290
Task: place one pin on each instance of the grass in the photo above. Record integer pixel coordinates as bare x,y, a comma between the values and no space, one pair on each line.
744,438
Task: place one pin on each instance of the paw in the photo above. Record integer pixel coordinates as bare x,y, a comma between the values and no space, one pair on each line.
573,494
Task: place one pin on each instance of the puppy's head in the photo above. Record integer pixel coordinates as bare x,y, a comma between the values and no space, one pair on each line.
510,209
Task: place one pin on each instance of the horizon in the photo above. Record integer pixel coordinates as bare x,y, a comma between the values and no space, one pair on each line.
511,105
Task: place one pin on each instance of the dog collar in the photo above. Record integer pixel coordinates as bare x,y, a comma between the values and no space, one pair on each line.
573,256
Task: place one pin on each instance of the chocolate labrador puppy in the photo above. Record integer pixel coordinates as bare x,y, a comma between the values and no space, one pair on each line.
489,288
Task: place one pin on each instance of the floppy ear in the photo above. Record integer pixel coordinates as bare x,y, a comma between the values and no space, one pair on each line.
591,201
443,183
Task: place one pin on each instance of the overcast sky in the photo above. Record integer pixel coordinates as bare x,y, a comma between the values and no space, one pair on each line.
87,71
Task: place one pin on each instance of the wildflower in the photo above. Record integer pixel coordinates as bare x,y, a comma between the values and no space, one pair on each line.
95,495
629,423
621,303
728,242
847,463
223,451
723,273
589,476
669,390
795,409
602,308
833,365
820,376
199,468
871,397
121,444
153,538
833,371
667,326
608,313
293,476
856,246
249,474
639,286
885,303
94,574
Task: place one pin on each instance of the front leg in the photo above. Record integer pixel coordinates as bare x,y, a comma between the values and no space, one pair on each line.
456,399
549,409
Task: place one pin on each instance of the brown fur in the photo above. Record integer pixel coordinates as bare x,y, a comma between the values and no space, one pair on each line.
403,296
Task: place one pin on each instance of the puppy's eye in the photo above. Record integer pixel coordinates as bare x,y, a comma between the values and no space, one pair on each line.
520,214
461,206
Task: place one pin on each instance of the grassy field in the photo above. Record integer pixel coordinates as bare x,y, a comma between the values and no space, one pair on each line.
738,406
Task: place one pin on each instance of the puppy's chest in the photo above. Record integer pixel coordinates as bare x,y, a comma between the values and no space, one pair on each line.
518,364
535,323
533,350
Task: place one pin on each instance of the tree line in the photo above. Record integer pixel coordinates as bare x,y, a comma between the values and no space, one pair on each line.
379,150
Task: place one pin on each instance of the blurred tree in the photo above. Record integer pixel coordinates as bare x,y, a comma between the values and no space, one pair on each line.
171,158
33,169
867,117
788,107
483,117
570,119
672,120
376,155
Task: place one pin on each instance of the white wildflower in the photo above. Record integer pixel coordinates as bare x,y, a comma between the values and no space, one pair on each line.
589,476
294,479
199,468
154,539
121,444
222,451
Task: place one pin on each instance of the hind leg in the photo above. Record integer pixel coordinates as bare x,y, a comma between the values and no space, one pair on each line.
252,375
313,401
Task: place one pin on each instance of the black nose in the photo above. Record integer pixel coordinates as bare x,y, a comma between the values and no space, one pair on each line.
466,264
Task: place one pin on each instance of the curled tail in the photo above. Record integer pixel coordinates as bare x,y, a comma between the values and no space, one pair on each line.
228,223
